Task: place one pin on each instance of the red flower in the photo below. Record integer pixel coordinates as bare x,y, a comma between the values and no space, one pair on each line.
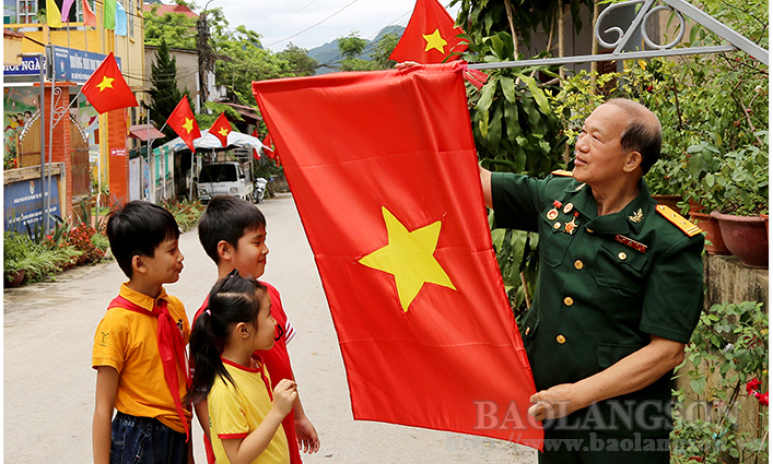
753,386
762,397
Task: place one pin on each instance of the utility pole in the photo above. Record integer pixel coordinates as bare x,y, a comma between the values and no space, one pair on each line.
206,59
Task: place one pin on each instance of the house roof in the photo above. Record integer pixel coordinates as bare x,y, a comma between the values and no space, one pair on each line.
141,131
246,111
12,33
163,9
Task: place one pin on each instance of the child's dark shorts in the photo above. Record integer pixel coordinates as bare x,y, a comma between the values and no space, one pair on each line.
145,440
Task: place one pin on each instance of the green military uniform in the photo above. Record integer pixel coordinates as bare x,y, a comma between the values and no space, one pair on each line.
605,285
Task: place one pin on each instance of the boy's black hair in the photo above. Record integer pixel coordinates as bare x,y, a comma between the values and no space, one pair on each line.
138,228
232,300
227,218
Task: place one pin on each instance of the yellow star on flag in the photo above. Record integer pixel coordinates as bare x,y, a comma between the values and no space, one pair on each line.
223,131
107,82
436,41
409,256
188,125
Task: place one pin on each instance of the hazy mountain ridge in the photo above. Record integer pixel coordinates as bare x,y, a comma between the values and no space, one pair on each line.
328,53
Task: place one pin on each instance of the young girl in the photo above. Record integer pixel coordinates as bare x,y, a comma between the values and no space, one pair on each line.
244,415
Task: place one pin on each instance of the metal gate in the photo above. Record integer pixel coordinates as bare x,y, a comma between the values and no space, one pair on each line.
28,143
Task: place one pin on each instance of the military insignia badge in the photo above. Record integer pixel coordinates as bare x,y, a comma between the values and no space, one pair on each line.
637,216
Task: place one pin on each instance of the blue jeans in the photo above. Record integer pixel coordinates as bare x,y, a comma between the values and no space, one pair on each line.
145,440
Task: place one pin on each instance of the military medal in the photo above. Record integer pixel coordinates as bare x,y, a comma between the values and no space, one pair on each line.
571,226
568,208
553,213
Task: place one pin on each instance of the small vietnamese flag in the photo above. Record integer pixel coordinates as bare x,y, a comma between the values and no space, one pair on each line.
182,121
404,254
430,36
106,89
268,143
221,128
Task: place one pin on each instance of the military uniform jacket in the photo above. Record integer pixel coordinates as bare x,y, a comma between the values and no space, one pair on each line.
605,285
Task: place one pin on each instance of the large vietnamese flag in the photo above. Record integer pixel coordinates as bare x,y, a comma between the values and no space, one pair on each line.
403,247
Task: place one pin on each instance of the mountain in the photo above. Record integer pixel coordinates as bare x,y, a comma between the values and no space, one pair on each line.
329,54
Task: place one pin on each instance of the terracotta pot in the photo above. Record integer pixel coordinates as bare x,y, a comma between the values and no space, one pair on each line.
767,228
14,278
713,233
745,237
668,200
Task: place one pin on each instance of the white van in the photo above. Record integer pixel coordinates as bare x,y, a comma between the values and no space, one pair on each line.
226,178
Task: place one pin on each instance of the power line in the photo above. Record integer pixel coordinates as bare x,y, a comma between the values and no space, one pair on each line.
314,25
288,18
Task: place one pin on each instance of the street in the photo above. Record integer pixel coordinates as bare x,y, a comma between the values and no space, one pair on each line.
49,383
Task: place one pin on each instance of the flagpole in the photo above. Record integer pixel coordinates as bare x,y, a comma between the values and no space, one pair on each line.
47,190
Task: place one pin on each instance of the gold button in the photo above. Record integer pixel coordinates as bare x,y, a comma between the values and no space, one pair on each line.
561,339
528,329
622,256
590,231
568,301
557,225
578,264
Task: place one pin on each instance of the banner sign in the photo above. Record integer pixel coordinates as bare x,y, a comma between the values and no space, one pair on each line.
30,66
23,205
76,65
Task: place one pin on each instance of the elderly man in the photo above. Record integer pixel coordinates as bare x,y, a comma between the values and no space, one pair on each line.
619,292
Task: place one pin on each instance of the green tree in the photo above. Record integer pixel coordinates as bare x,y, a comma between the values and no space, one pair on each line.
351,48
176,28
381,51
298,59
164,94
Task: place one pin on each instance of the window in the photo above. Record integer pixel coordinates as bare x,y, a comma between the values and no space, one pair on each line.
27,11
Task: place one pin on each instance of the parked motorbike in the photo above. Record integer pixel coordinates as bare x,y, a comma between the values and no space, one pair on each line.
260,190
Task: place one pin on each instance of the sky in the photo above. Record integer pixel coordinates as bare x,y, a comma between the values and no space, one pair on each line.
311,23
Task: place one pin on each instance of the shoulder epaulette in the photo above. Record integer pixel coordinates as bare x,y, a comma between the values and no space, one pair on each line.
562,173
679,221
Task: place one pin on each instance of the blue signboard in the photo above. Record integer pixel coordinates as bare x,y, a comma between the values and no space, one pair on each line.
76,65
23,206
29,67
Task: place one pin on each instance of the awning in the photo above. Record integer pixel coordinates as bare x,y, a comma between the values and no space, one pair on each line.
145,131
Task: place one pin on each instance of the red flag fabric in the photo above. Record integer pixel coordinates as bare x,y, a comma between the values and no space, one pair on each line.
430,36
404,253
106,89
255,151
183,123
89,18
221,128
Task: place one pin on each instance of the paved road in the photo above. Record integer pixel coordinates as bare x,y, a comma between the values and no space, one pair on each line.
49,382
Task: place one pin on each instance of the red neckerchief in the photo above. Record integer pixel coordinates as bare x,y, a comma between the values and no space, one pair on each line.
170,346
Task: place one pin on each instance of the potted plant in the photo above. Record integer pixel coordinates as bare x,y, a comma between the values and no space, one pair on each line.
14,255
743,188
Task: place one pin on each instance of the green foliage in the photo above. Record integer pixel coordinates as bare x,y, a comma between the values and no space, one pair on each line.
299,62
381,51
352,45
728,349
164,95
483,18
176,29
185,212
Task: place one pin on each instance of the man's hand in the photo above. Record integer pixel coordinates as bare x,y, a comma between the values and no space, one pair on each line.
406,65
558,401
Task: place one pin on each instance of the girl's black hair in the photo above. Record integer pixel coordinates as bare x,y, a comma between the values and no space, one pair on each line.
233,299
